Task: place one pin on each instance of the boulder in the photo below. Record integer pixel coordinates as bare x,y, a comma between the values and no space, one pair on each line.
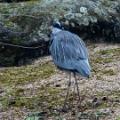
23,26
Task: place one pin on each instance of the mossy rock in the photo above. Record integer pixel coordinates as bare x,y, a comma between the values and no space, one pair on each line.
25,23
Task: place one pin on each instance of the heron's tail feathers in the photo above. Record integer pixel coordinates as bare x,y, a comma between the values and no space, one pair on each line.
83,68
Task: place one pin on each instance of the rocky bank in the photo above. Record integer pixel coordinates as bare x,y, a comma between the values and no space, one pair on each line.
23,25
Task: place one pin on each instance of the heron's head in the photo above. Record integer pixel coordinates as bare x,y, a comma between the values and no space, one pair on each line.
56,26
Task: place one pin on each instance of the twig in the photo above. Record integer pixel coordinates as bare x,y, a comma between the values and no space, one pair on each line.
12,45
8,30
22,15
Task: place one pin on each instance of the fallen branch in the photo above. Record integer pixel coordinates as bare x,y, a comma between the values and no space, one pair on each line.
12,45
21,15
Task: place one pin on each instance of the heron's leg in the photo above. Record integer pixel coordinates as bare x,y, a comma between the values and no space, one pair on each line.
77,86
69,84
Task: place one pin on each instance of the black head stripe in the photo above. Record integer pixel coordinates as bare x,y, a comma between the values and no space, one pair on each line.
57,25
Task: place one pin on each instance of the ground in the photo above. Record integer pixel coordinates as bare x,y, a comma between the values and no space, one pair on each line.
37,91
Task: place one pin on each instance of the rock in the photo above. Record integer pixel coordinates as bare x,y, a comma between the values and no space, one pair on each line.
57,85
95,100
11,102
25,24
83,10
96,104
104,98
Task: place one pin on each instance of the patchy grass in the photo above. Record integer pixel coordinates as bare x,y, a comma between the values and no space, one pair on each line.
37,91
105,56
109,51
22,75
12,77
109,72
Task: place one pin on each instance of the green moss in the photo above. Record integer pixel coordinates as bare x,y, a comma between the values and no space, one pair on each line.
108,60
102,52
95,68
89,103
21,75
19,90
5,11
13,76
4,101
104,56
98,60
107,52
108,72
116,92
22,102
99,77
10,25
51,95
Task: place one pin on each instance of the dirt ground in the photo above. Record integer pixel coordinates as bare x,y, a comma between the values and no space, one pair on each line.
100,93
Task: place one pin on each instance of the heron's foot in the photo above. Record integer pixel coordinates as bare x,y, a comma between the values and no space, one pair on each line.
79,102
80,99
64,109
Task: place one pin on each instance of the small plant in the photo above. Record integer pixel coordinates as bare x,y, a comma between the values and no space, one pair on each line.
55,112
89,103
33,118
35,115
119,118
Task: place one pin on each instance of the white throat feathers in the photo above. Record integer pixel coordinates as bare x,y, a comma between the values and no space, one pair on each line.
55,30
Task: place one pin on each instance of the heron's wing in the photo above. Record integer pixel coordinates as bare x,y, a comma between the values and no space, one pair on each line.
68,50
65,46
76,48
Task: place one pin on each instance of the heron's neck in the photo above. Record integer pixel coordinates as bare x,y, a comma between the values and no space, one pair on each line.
55,30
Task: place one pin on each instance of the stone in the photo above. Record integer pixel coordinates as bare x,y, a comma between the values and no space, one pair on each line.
25,25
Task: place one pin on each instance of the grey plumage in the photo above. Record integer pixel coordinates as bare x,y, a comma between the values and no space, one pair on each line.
69,53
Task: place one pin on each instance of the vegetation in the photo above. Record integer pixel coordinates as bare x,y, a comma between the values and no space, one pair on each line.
36,91
35,88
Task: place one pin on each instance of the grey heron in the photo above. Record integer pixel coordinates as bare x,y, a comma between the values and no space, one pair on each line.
69,53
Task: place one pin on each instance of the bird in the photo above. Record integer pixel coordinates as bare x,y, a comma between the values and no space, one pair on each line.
69,53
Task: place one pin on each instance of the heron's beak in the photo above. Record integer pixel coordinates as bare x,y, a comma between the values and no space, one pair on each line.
50,28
